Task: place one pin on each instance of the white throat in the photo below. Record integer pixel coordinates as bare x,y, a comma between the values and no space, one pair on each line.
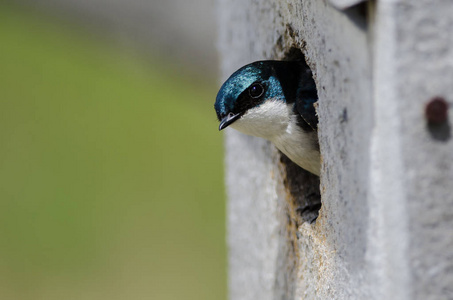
275,120
267,120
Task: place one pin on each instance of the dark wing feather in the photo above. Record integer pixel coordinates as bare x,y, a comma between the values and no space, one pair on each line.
299,88
306,97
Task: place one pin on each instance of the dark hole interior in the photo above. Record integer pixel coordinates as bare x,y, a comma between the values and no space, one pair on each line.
302,185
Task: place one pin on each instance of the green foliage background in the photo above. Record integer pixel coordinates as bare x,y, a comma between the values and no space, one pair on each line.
110,171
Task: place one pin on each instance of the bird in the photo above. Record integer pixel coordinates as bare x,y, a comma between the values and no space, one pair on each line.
274,100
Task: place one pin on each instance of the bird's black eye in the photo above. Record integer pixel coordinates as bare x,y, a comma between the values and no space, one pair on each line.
256,90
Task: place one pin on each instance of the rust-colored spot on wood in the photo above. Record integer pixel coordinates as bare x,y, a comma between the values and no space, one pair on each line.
436,110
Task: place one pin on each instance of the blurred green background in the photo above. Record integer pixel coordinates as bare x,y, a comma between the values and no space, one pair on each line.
111,170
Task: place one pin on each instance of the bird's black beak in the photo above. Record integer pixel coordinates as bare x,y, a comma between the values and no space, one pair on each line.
228,120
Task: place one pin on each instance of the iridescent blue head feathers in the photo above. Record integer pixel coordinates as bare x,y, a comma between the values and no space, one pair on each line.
234,87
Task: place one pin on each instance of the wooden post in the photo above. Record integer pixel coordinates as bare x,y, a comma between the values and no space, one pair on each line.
385,226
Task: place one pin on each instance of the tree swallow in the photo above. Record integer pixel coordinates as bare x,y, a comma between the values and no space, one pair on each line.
274,100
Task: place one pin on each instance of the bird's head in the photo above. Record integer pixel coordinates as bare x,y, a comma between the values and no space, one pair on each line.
274,100
254,98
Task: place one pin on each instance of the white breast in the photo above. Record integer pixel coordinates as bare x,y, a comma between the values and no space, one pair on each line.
274,120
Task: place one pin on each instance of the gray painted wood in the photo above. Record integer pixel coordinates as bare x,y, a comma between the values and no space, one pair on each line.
385,228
